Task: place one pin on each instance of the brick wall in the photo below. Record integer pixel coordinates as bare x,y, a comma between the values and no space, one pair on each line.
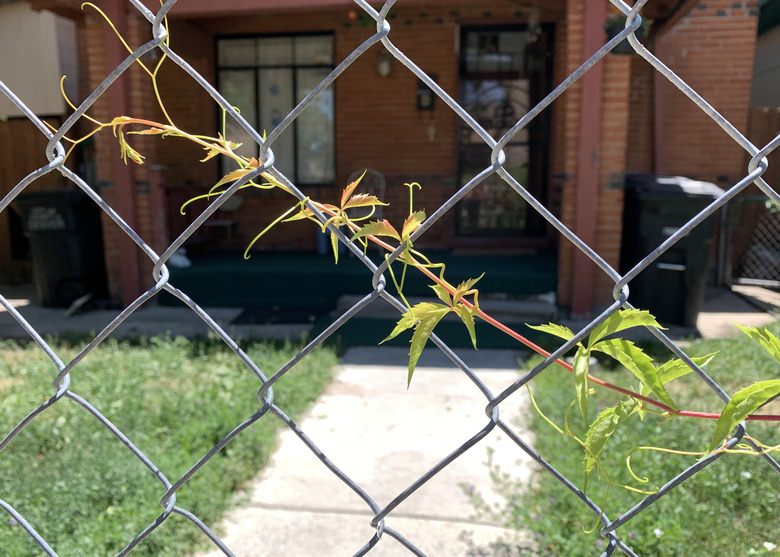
567,137
712,49
640,155
615,126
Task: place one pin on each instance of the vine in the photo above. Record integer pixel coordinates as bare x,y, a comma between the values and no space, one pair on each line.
649,395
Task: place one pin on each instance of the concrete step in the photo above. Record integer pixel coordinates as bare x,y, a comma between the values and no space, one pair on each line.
532,311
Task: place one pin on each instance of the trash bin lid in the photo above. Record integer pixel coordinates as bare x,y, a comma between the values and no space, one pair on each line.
671,186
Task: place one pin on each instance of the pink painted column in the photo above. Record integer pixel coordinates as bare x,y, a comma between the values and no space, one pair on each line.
588,160
123,175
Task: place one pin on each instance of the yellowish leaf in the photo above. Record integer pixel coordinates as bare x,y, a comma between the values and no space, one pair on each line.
347,193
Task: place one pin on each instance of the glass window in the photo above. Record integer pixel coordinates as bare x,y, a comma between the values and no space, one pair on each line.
276,51
238,52
281,72
314,51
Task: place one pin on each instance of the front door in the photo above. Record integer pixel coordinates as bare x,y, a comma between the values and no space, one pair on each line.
504,73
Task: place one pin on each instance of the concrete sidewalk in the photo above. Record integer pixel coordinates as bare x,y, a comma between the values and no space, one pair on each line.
384,438
746,305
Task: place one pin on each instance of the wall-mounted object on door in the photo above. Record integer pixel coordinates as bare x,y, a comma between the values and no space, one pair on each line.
425,96
384,63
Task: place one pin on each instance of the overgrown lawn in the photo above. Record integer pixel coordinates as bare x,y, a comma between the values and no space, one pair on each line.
85,492
729,508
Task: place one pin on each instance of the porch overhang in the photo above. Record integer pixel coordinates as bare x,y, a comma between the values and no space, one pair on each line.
661,12
202,8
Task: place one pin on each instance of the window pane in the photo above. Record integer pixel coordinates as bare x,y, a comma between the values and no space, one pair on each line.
236,52
238,88
276,51
491,52
276,101
315,130
313,51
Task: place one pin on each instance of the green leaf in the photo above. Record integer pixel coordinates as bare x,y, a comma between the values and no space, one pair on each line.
442,293
464,287
638,363
347,193
363,200
212,152
412,223
552,329
233,176
765,339
422,331
407,321
467,316
416,313
621,320
149,131
602,429
676,368
377,228
334,245
581,368
742,404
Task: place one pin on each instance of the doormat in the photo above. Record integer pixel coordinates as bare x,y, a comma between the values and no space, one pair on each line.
265,316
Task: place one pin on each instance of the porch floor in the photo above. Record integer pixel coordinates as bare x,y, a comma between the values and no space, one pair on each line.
307,281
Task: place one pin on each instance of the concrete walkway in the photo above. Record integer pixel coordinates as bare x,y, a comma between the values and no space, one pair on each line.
384,437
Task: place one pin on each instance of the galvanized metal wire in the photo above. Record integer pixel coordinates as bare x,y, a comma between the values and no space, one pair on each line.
381,526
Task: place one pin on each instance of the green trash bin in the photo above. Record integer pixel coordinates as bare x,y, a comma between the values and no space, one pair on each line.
66,245
672,288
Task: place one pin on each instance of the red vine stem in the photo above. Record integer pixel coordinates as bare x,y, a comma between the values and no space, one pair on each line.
541,351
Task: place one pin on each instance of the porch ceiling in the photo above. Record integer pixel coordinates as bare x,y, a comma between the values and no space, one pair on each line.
658,10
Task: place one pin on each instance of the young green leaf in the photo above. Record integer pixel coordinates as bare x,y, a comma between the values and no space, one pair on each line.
637,362
464,287
407,321
676,368
149,131
621,320
581,368
416,313
765,339
743,403
233,176
211,152
467,316
377,228
442,294
422,331
552,329
334,245
347,193
363,200
602,429
412,223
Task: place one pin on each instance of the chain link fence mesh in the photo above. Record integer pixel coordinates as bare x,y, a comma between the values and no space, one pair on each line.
382,515
753,242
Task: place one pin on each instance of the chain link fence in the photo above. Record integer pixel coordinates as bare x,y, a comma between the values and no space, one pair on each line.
382,515
753,242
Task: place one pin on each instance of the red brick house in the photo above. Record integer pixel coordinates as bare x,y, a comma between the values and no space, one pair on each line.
496,58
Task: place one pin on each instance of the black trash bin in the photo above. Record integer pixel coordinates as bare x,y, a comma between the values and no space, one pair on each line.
66,244
672,288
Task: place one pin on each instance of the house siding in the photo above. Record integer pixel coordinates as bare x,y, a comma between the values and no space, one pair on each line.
712,49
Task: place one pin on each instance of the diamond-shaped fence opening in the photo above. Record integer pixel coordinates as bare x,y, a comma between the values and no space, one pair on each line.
495,148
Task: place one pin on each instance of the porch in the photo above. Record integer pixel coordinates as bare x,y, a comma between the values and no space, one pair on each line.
301,287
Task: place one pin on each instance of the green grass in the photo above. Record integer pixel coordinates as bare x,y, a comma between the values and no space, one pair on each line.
730,508
84,492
